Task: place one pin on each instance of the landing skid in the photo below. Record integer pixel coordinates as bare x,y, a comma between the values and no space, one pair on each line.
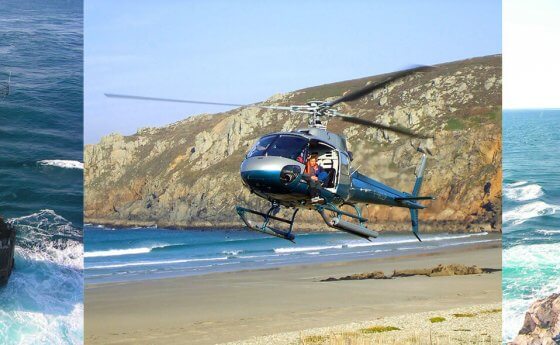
264,227
335,222
338,223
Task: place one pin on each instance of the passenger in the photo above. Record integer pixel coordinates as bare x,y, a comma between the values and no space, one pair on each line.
316,176
315,170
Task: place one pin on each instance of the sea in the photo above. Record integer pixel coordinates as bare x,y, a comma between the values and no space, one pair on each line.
41,171
118,255
531,212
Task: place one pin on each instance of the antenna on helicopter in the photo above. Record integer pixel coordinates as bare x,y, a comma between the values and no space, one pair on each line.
317,109
5,87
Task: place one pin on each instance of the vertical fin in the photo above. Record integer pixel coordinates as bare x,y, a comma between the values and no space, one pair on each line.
419,175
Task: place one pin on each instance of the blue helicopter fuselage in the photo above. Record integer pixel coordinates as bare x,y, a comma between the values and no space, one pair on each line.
274,169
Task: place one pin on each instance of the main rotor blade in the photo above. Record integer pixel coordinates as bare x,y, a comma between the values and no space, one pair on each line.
368,123
157,99
353,96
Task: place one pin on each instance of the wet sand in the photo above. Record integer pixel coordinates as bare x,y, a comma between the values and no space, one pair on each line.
223,307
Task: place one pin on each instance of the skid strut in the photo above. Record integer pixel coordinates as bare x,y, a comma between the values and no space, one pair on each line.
264,227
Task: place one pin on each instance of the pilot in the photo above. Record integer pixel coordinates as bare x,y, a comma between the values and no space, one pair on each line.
316,177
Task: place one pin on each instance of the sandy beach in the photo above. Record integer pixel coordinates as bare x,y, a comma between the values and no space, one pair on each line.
478,324
236,306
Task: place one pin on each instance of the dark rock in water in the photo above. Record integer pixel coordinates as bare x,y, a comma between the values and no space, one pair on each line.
4,229
7,244
542,323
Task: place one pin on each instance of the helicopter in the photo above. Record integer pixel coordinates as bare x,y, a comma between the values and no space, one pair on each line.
275,168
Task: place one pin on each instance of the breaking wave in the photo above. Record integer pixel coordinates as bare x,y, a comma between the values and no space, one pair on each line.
117,252
43,301
533,269
521,191
548,232
60,163
525,212
356,244
154,263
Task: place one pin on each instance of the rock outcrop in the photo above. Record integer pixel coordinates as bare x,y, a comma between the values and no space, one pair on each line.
441,271
359,276
438,271
187,174
542,323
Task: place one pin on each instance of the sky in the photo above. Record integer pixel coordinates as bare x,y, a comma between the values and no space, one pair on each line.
246,51
531,62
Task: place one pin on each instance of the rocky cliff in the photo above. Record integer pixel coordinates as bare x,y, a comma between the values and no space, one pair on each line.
187,174
542,323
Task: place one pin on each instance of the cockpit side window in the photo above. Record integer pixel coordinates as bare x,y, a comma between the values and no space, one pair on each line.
261,146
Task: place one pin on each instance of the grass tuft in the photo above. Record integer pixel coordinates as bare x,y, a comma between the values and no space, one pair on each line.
464,315
379,329
454,124
437,319
314,339
491,311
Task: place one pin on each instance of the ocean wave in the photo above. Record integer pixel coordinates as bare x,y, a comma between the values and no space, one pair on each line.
117,252
46,236
534,256
46,286
232,252
525,212
306,249
153,263
414,240
60,163
548,232
145,250
355,244
521,191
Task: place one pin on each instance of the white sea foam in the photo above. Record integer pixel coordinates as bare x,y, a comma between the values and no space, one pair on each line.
536,271
523,191
548,232
39,239
117,252
525,212
45,292
306,249
60,163
232,252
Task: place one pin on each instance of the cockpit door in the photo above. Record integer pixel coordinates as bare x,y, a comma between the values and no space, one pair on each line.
343,186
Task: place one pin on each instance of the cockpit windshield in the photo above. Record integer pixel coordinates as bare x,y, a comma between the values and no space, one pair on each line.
288,146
